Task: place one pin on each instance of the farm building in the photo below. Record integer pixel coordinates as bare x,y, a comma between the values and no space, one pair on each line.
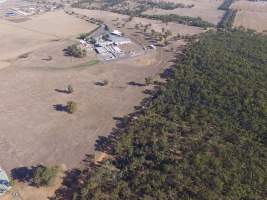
118,40
116,32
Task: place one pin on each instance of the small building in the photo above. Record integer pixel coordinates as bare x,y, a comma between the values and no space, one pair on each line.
119,40
116,32
4,182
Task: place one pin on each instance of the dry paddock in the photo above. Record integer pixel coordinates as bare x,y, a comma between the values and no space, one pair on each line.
206,9
20,38
34,132
252,15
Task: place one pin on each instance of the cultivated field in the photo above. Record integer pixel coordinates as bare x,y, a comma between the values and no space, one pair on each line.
20,38
252,15
206,9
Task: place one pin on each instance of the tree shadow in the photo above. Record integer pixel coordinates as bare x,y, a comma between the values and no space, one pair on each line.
62,91
133,83
167,73
24,174
60,108
98,83
69,185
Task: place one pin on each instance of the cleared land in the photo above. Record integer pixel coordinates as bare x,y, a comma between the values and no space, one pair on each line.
252,15
113,18
206,9
33,130
20,38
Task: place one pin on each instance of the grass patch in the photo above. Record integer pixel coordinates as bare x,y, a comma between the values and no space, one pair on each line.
89,63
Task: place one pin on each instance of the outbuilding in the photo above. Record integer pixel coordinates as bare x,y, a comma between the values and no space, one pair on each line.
116,32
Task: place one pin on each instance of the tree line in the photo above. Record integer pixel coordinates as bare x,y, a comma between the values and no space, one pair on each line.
191,21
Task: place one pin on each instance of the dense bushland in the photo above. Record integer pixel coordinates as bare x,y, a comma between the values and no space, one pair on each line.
203,135
227,20
226,4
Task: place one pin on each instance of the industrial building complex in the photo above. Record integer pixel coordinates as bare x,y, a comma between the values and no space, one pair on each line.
106,43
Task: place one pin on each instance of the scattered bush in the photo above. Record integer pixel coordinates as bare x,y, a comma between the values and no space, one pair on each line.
105,82
71,107
25,55
70,89
44,176
75,51
148,81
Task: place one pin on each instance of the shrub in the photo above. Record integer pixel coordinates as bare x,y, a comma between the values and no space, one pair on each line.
105,82
75,51
71,107
70,89
44,176
148,80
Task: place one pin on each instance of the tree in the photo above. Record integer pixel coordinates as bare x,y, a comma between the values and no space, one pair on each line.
153,32
148,80
44,176
75,51
70,89
71,107
105,82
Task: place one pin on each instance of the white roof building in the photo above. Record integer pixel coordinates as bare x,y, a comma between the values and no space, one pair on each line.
116,32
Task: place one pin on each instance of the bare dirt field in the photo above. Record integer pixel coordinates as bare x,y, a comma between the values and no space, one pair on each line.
252,15
206,9
20,38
